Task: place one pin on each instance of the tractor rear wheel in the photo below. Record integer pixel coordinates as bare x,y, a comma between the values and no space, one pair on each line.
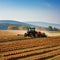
25,35
32,35
43,35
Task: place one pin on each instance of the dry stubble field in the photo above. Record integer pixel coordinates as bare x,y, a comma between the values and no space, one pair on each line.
13,47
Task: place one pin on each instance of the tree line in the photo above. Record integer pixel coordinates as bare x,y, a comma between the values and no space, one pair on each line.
50,28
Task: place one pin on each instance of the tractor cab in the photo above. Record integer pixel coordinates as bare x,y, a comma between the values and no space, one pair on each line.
31,29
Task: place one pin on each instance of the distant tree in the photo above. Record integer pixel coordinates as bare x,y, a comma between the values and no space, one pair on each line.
50,28
56,29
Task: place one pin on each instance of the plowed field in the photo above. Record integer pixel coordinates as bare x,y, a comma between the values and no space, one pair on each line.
20,48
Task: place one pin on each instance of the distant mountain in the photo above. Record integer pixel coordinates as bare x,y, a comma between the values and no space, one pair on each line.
13,22
4,24
44,24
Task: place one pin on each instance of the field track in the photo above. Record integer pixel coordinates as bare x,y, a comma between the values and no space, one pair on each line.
30,49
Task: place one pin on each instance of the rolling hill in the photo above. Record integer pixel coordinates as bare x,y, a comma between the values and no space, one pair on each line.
44,24
4,24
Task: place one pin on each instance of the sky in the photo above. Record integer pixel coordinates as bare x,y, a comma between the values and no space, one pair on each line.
30,10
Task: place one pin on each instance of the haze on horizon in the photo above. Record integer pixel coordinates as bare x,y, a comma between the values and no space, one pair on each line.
30,10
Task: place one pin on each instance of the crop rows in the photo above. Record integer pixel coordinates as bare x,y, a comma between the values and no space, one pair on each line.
43,56
15,45
55,58
29,52
34,49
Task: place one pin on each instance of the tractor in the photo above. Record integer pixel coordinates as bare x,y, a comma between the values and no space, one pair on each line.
33,33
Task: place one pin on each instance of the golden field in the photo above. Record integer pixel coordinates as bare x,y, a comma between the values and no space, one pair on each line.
13,47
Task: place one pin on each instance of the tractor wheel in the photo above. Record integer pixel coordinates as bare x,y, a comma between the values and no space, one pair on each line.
25,35
43,35
31,35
